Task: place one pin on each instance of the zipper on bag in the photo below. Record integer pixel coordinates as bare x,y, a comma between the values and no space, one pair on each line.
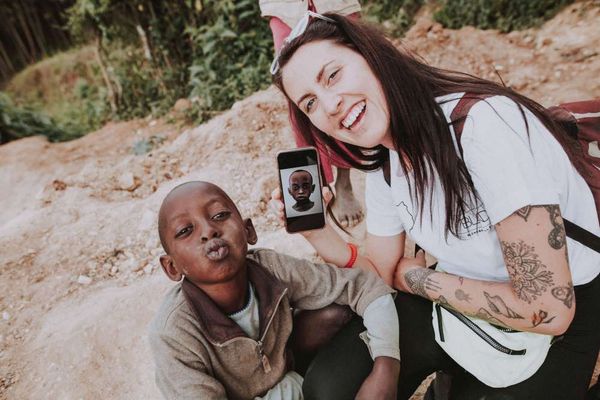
481,333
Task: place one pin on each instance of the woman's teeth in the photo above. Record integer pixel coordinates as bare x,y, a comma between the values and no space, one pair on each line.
353,114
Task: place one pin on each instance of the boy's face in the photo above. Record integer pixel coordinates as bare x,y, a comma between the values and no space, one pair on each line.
301,185
204,234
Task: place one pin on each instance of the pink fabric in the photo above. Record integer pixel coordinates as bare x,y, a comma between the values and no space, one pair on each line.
280,31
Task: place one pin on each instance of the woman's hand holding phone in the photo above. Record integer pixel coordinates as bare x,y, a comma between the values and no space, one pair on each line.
277,206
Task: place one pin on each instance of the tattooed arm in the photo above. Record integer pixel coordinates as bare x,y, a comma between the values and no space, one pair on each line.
539,296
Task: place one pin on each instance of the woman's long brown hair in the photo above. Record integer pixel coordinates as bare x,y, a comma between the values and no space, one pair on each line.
420,131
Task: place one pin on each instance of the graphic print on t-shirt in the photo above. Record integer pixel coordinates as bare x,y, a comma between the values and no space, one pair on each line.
475,220
406,215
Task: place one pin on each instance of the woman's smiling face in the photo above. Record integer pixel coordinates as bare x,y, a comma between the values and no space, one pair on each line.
335,87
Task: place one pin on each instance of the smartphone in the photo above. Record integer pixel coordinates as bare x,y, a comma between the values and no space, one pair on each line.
300,182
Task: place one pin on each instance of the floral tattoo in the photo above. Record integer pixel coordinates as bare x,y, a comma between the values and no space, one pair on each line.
530,278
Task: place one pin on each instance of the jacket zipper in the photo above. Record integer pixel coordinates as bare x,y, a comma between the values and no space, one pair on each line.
262,357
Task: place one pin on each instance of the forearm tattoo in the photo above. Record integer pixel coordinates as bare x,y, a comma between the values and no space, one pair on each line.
419,281
461,295
486,315
541,317
529,277
556,237
498,306
566,294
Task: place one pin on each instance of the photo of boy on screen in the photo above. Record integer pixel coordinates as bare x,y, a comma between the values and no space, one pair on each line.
301,186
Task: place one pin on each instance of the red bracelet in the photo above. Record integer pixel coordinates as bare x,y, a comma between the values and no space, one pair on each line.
353,255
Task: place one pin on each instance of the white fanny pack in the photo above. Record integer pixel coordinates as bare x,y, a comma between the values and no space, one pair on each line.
497,356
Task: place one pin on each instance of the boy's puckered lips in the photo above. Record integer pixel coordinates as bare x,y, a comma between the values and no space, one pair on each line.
216,249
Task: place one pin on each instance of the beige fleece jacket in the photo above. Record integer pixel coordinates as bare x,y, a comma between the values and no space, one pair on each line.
200,353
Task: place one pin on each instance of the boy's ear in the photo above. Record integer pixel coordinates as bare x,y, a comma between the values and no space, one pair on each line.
250,231
166,262
290,191
313,188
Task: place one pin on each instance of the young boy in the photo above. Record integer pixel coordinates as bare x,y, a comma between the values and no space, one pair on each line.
301,187
223,331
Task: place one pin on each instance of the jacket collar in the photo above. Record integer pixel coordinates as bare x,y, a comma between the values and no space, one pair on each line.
216,325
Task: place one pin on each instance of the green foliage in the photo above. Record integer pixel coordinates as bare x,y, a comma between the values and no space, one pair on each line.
16,122
158,51
505,15
234,51
67,88
90,112
396,16
146,145
146,54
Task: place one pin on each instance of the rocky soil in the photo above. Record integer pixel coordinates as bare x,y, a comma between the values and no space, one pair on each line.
79,274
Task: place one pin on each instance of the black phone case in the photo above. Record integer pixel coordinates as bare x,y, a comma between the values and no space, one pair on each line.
301,158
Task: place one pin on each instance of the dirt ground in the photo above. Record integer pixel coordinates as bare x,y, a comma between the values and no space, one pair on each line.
79,274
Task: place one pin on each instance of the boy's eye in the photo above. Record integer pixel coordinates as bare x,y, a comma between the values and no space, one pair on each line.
183,231
221,215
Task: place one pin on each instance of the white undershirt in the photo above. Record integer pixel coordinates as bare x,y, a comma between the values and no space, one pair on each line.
247,318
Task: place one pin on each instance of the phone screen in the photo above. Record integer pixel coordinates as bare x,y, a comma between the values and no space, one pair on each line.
301,188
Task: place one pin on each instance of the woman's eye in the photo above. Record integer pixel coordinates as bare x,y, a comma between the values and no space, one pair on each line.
183,231
309,104
332,76
222,215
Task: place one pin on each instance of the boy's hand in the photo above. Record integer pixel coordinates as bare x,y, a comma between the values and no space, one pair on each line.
382,382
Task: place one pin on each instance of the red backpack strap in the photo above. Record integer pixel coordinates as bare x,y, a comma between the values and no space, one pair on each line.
460,112
561,115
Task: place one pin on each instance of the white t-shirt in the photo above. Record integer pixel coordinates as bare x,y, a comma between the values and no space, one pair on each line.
510,170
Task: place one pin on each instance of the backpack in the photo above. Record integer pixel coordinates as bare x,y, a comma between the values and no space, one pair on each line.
581,122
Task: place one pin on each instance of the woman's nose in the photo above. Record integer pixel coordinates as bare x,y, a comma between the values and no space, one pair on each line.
332,103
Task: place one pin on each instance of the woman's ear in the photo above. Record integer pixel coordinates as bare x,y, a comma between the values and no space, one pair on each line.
250,231
167,264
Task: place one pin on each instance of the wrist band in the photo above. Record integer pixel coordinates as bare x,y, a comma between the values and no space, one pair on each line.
353,255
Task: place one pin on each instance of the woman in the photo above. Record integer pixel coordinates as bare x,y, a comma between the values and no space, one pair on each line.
490,214
283,16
